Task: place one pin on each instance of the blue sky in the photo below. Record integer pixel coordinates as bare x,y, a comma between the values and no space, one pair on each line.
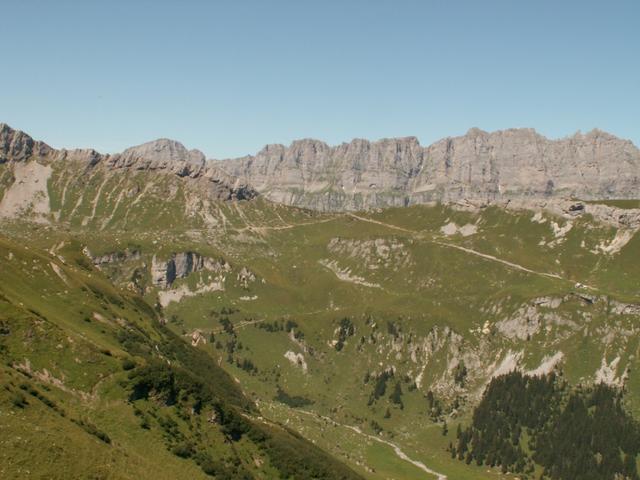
228,77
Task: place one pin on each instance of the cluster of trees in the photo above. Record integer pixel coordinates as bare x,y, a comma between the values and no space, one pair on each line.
278,326
232,345
460,374
346,329
396,395
91,429
434,407
393,329
380,385
571,433
247,365
380,389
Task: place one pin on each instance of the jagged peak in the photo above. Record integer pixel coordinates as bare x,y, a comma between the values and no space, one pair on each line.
514,132
475,132
10,133
17,145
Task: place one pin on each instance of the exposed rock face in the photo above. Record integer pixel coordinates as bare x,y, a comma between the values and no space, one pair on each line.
28,195
512,166
162,154
179,265
112,257
245,277
479,166
18,146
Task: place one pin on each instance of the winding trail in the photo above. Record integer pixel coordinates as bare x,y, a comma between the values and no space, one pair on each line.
398,451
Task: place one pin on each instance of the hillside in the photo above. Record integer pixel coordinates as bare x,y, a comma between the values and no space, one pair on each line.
95,386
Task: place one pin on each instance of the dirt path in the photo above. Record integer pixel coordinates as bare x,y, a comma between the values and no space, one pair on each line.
486,256
286,226
398,451
499,260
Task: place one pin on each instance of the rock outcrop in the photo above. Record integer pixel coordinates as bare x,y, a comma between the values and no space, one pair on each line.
162,154
112,257
18,146
479,166
179,265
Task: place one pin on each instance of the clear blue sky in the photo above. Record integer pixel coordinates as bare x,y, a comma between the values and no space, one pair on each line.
228,77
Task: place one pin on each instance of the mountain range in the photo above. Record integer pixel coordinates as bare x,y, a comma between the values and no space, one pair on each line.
478,167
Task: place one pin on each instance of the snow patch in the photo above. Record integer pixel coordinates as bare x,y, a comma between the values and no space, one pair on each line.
58,271
559,232
538,218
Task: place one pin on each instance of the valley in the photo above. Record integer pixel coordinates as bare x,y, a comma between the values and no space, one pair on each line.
205,330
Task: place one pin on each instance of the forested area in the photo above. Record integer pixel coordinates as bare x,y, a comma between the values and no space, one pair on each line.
539,425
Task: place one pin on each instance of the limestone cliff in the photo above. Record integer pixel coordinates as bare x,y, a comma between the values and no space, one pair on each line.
478,166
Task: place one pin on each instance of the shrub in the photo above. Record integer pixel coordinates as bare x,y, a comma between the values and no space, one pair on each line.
18,400
128,364
183,449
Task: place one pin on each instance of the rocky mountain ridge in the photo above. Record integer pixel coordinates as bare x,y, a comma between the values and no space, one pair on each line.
44,184
516,167
478,166
162,156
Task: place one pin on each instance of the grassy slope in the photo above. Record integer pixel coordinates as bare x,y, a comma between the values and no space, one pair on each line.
65,334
